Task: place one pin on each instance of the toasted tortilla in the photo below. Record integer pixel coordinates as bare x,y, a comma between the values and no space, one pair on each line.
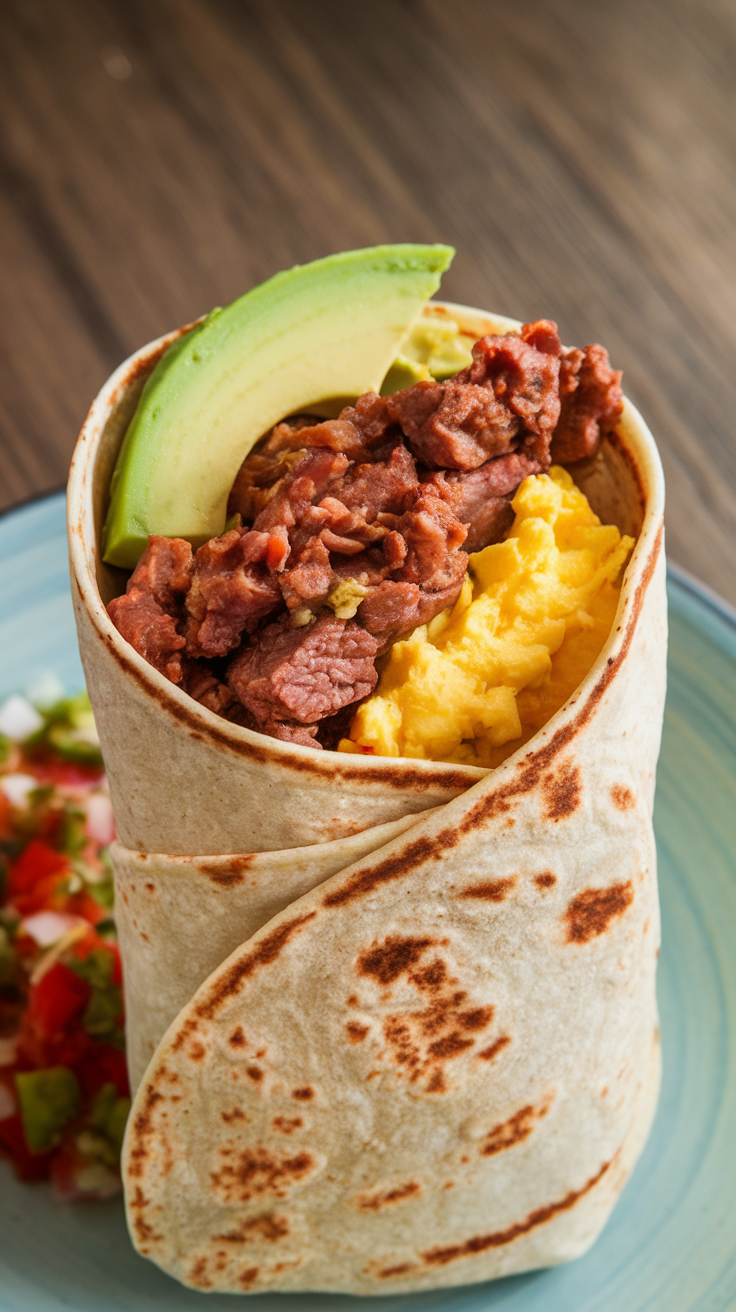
388,1058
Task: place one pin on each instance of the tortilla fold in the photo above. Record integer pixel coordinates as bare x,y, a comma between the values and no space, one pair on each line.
405,1012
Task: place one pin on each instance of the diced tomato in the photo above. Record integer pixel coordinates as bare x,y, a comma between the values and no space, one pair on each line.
117,970
103,1065
28,1165
5,816
37,1050
82,904
58,998
37,861
52,769
49,894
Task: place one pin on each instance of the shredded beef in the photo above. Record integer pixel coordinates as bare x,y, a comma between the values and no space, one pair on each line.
232,589
383,503
592,403
299,676
384,487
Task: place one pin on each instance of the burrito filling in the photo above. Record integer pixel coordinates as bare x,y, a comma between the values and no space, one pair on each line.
424,534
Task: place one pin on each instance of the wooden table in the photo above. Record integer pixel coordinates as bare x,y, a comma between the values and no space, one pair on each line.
162,156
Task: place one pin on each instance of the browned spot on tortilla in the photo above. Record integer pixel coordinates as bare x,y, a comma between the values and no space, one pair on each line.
227,870
622,797
352,1000
401,1270
143,1129
489,1053
450,1045
254,1073
228,983
356,1033
257,1172
303,1095
394,867
481,1243
477,1019
562,791
196,1052
198,1274
374,1202
545,880
419,1041
287,1124
145,1233
139,1199
145,937
515,1130
495,890
590,913
151,887
237,1114
237,1038
267,1226
248,1277
393,958
529,773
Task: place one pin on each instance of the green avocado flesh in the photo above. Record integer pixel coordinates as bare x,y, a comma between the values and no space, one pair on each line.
327,329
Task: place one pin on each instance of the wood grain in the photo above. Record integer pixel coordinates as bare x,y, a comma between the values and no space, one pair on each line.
161,156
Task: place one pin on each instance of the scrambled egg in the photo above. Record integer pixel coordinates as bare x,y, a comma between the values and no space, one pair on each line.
534,612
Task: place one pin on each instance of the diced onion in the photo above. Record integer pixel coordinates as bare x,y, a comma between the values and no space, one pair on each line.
100,824
17,787
18,719
47,927
45,691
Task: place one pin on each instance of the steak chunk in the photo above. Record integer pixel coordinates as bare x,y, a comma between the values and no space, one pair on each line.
164,570
148,614
592,403
298,676
481,497
508,398
394,610
147,627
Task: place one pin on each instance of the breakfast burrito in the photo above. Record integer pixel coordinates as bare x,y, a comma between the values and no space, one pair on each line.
371,607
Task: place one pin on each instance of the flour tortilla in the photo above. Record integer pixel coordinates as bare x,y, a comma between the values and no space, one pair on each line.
437,1064
179,917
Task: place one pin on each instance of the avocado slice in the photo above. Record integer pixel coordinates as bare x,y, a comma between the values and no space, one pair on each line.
320,330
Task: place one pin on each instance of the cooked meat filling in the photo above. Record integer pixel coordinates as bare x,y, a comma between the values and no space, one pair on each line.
354,531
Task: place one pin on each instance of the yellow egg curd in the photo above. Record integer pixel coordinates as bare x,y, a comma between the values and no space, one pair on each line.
534,612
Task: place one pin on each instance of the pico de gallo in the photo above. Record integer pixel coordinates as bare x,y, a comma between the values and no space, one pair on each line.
64,1095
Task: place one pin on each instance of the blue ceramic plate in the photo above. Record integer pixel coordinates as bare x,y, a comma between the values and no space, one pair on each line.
671,1242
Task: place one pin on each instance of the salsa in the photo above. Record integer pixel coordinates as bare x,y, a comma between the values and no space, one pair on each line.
64,1095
